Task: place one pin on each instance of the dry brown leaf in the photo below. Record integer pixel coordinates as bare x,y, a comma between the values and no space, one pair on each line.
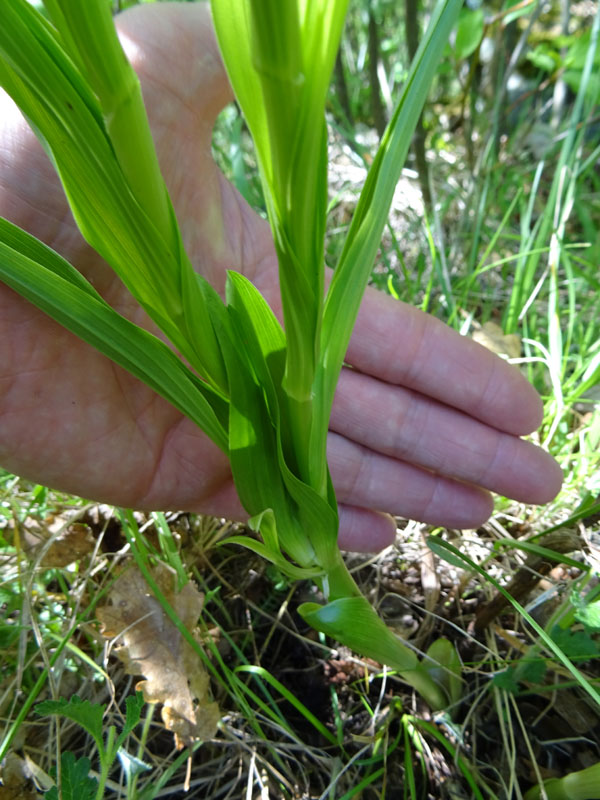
56,539
492,336
16,780
73,544
150,645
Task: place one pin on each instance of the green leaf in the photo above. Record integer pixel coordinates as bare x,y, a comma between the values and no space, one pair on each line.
116,217
577,645
354,267
133,706
262,336
438,546
306,515
544,57
454,556
9,635
131,765
53,285
506,680
469,32
543,552
532,670
446,668
88,715
526,670
353,622
280,58
89,33
589,615
274,556
75,781
520,10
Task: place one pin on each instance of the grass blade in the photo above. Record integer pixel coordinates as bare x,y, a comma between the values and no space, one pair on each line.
454,556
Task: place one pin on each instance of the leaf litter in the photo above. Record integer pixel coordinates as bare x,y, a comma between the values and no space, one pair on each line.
149,644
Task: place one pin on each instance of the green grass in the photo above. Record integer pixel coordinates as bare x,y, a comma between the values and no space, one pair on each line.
510,242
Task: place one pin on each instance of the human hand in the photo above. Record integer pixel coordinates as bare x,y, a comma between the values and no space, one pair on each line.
424,426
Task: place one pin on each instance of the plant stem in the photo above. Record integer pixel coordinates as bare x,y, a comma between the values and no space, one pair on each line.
106,759
91,31
340,582
348,612
301,419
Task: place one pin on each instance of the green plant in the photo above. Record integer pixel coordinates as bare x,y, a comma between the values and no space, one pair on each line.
265,395
73,780
581,785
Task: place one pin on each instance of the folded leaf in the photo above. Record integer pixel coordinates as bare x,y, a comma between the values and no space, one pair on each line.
353,622
53,285
117,217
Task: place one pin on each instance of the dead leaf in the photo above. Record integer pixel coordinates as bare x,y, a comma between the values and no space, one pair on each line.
150,645
58,541
71,545
16,780
492,336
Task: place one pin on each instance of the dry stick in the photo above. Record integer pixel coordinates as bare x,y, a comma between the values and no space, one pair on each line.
341,88
412,45
373,47
529,575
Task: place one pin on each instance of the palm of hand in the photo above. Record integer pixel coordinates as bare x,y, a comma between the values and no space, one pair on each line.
71,419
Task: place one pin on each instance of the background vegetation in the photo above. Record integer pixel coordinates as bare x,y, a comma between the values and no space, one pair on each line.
494,231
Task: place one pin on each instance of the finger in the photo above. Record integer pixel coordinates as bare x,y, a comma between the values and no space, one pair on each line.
369,480
401,345
365,531
407,426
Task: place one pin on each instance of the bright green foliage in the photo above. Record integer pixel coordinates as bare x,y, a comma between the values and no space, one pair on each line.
48,281
267,393
280,57
88,715
582,785
454,556
100,171
75,783
469,32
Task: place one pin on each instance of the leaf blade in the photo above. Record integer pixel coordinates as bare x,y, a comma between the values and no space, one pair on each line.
61,292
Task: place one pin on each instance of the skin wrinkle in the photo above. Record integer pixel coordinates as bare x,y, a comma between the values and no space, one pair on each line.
412,367
461,446
405,420
443,498
360,476
406,368
502,444
434,499
156,473
417,423
137,414
170,465
423,369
